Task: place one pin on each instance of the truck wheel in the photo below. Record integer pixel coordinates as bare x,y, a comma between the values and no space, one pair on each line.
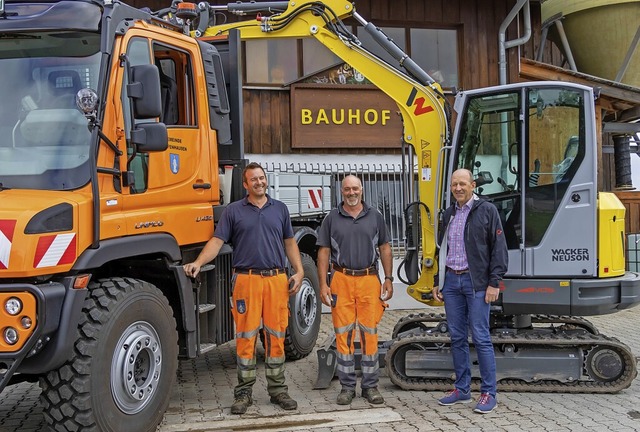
304,322
123,366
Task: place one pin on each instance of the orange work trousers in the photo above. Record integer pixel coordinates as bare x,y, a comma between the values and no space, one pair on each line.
355,304
260,300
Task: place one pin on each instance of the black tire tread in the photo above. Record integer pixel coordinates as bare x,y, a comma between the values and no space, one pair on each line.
291,348
65,394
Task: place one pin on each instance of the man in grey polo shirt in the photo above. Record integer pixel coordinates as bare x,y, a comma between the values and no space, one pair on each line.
352,238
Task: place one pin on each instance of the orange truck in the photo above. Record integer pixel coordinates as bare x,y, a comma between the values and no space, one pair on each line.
117,128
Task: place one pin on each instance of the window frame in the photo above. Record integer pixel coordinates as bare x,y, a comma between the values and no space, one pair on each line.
300,55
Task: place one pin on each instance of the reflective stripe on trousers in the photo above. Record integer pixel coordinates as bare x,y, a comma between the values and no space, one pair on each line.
357,306
260,299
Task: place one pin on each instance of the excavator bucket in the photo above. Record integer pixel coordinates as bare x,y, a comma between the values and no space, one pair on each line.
328,360
327,363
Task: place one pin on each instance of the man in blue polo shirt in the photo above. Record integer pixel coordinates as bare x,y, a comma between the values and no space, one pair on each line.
259,229
352,238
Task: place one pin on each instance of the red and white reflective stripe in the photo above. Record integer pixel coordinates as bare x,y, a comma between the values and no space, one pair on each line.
55,250
314,199
6,238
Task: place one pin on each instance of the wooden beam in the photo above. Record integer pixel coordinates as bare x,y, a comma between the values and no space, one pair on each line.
630,114
533,70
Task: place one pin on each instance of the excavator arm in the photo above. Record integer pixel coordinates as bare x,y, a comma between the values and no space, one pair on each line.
419,99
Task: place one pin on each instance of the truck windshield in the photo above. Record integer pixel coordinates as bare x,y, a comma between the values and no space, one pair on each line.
44,138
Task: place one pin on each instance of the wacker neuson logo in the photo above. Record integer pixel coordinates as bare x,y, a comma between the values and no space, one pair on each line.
570,254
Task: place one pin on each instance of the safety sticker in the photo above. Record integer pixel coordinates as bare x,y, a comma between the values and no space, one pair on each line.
314,198
6,239
53,250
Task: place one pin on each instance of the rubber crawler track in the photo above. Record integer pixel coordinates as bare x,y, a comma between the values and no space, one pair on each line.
586,341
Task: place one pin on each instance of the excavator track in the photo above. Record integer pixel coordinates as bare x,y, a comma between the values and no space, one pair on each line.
589,382
419,320
428,333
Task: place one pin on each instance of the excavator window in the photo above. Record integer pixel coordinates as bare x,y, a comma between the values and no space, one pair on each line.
556,150
490,149
517,171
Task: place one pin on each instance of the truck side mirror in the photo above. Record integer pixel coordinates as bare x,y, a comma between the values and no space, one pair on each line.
150,137
144,91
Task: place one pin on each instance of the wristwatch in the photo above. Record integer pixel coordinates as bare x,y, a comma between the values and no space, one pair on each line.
389,277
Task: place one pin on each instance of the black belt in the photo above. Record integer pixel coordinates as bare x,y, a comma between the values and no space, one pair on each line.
458,272
271,272
363,272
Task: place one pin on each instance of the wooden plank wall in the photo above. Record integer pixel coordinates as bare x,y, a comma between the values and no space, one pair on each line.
478,23
631,201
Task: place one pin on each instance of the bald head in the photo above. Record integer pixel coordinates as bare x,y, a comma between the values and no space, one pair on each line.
351,180
463,172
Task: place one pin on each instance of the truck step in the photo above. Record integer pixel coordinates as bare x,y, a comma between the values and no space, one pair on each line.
206,307
206,347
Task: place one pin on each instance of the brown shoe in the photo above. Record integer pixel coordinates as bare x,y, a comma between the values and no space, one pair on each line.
284,400
241,403
345,396
372,395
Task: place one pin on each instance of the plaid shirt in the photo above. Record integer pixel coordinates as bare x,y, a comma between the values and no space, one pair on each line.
457,254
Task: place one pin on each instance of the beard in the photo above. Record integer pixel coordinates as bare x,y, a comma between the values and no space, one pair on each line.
352,201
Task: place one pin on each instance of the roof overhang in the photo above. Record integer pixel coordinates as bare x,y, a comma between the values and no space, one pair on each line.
621,101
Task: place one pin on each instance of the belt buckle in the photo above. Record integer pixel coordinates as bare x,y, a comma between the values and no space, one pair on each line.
269,272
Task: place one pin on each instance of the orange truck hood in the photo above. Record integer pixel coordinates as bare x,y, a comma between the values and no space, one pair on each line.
39,253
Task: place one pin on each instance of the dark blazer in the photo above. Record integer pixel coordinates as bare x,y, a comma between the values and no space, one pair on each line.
484,241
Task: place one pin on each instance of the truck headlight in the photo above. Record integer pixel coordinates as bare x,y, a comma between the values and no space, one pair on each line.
10,335
13,306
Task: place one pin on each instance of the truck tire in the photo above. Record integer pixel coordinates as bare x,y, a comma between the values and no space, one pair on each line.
121,372
304,319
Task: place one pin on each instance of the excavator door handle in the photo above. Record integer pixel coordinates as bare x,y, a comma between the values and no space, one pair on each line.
202,186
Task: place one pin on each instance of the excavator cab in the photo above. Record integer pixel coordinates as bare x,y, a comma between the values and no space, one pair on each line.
537,143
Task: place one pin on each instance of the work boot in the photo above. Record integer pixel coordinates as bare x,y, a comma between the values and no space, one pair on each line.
284,400
346,396
241,403
372,395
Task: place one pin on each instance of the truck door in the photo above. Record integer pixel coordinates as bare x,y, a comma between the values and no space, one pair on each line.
526,145
165,188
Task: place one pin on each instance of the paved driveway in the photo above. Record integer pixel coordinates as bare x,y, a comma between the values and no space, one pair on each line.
201,400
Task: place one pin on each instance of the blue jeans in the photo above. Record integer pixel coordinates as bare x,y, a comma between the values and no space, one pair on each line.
467,309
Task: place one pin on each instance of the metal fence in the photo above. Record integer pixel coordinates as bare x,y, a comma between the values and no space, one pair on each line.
381,183
633,252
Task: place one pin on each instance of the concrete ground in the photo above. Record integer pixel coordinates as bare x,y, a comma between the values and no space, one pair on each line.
203,395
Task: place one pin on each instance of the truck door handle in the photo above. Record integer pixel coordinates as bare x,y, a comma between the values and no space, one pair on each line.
202,186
